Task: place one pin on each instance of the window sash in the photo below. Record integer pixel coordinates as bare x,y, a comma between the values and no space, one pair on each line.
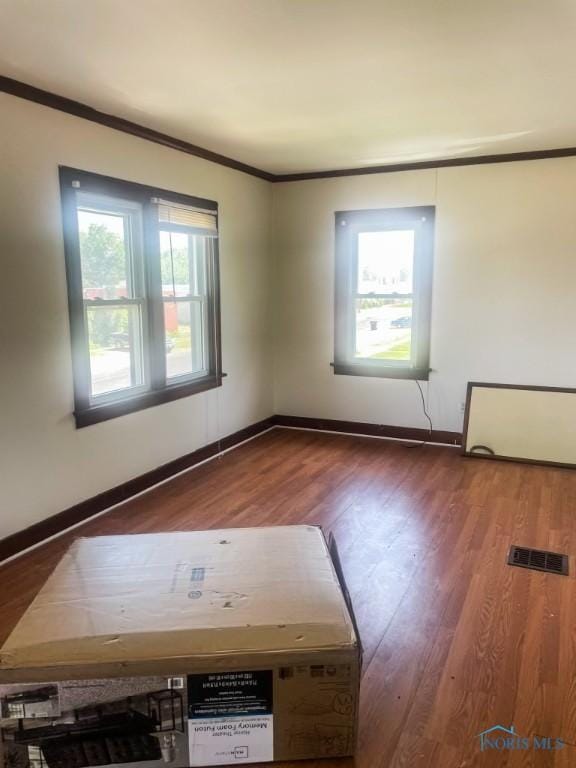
201,339
138,354
383,227
209,336
131,213
381,362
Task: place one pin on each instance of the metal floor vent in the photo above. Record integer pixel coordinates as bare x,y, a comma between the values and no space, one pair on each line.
538,560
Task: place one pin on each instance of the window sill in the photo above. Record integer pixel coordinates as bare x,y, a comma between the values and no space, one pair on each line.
97,413
381,371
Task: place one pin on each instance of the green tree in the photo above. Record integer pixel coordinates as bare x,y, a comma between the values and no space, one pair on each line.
103,258
104,267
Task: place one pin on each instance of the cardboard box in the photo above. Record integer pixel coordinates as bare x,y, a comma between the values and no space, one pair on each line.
184,649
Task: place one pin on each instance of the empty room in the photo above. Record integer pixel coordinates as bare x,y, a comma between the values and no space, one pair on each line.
287,383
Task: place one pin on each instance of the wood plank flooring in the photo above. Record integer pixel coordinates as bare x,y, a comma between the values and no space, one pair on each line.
455,640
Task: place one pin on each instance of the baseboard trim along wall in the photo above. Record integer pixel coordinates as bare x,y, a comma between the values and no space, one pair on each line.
370,430
38,533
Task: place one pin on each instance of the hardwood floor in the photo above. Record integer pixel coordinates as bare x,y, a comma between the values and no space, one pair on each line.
455,640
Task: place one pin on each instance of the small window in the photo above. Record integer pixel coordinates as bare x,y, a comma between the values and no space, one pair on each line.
383,292
142,269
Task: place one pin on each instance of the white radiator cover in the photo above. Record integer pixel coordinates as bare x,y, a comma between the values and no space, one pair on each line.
534,423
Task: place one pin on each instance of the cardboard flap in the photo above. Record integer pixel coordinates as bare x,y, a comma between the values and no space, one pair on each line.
335,555
178,595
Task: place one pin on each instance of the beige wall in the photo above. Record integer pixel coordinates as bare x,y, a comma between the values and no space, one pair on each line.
504,295
46,464
503,302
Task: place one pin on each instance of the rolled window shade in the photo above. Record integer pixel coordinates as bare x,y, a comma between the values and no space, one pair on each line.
183,217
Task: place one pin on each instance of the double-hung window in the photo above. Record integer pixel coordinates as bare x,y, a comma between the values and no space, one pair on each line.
383,292
143,291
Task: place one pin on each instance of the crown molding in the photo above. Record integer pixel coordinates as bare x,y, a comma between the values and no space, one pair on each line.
511,157
77,108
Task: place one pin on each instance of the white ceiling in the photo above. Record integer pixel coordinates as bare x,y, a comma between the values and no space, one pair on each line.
296,85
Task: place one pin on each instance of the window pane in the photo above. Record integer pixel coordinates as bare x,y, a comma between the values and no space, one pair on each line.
35,759
182,261
105,254
183,321
385,261
115,339
383,329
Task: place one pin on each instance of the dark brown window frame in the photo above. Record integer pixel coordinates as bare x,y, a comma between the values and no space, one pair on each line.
348,225
159,391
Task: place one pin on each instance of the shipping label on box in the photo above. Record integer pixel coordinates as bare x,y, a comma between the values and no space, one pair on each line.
230,717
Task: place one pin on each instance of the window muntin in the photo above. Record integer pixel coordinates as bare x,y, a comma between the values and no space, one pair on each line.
383,292
143,294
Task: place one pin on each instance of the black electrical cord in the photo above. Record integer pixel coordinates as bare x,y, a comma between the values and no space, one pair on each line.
425,410
482,449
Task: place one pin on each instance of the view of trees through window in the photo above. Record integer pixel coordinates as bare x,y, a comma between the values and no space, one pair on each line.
111,275
103,276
